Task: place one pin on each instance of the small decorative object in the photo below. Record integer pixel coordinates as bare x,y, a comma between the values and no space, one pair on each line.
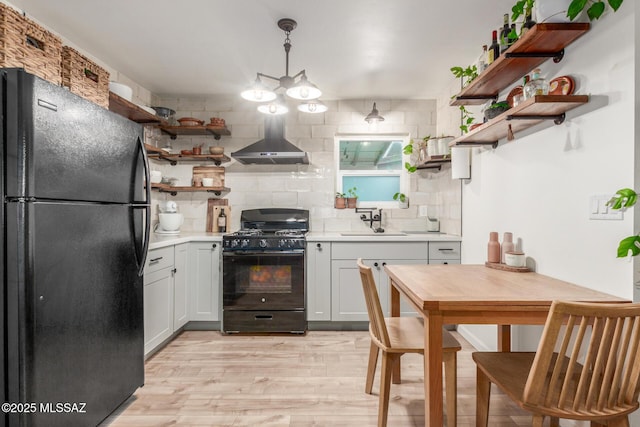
186,152
495,109
216,150
493,248
216,122
352,200
197,181
207,182
190,121
403,200
563,85
511,97
155,177
536,86
340,201
507,245
197,150
514,259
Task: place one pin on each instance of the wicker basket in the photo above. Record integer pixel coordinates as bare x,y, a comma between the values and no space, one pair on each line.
83,77
25,44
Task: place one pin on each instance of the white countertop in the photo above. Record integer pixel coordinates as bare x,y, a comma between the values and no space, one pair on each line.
163,240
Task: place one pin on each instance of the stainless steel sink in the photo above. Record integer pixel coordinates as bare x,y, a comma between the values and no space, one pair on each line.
356,233
422,232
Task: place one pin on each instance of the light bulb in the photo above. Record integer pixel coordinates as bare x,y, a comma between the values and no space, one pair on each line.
312,107
272,108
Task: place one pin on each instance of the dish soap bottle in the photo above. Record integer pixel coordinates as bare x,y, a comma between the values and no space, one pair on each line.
536,86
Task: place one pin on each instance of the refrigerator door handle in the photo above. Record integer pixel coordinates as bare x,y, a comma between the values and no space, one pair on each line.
147,208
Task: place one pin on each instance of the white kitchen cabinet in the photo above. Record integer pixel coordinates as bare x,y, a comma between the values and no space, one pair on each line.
181,290
444,253
158,297
204,280
318,293
347,298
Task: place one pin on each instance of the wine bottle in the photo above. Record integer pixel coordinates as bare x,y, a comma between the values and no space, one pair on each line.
504,34
513,35
222,221
528,23
494,50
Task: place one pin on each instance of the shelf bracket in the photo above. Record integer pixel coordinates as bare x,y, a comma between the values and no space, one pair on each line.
216,136
216,192
557,56
493,144
472,97
558,119
437,167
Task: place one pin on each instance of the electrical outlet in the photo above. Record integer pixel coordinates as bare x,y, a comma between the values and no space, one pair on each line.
422,211
599,210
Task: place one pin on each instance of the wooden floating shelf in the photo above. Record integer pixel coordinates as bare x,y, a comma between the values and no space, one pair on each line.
525,115
159,154
435,162
175,131
540,43
165,188
131,111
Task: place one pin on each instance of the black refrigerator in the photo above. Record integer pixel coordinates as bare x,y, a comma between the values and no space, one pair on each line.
75,218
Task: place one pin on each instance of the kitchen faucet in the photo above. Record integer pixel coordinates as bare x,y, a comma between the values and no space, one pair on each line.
372,218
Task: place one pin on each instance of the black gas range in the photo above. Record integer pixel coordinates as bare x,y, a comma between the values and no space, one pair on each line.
263,272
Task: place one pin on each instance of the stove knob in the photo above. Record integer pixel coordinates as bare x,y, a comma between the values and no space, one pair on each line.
245,243
263,243
282,243
234,243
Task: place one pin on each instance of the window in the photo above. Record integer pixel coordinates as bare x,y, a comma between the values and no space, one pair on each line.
374,164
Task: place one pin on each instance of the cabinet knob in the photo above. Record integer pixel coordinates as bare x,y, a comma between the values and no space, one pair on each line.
375,264
319,245
214,246
384,263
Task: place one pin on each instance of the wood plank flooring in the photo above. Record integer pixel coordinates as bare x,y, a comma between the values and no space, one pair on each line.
204,378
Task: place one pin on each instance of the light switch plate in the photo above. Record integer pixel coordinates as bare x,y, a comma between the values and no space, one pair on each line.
422,210
599,210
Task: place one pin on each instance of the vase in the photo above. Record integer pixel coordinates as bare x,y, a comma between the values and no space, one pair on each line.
405,204
340,203
352,202
553,11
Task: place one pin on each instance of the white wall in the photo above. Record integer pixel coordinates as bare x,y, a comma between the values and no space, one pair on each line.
539,185
309,186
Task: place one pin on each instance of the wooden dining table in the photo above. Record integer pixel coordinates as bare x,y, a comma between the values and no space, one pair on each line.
474,294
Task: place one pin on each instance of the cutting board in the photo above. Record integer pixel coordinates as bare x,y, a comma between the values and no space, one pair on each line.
213,210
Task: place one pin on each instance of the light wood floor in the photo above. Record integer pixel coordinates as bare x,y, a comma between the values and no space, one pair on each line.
204,378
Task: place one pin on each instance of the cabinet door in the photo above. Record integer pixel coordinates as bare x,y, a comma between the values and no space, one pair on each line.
204,281
347,297
406,309
318,273
181,291
158,308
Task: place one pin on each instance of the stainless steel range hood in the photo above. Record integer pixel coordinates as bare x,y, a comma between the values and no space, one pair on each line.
274,149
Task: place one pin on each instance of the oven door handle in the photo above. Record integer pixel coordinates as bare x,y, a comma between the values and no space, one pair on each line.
262,253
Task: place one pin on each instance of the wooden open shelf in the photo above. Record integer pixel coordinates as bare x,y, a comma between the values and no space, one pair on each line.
165,188
131,111
159,154
175,131
435,162
524,115
543,41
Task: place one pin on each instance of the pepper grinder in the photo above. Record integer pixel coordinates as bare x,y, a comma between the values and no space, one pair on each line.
507,244
493,248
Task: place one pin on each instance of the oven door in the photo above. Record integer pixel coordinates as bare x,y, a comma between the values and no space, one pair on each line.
263,280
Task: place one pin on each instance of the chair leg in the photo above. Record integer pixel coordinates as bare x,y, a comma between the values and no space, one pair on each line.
385,387
371,368
451,387
538,420
618,422
554,422
483,393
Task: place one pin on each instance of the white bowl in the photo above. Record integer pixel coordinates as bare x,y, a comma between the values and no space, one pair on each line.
122,90
147,109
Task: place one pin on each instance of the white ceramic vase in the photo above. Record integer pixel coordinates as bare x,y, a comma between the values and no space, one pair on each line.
553,11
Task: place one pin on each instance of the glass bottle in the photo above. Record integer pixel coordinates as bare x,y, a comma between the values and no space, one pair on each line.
494,50
482,59
222,222
513,35
504,34
528,23
493,248
536,86
507,244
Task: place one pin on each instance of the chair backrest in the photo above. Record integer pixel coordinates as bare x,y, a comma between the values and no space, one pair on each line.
377,324
588,361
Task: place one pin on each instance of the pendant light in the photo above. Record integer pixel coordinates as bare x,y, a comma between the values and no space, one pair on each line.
314,106
297,86
275,107
374,117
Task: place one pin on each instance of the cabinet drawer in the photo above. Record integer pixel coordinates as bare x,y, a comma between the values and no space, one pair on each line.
380,250
158,259
444,250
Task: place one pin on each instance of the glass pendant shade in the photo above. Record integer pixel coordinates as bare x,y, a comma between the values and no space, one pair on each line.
374,116
275,107
304,90
314,106
258,92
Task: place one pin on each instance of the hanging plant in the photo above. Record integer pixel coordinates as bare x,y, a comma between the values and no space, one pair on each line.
595,10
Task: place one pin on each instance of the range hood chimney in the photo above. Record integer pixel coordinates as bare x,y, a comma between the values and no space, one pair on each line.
274,149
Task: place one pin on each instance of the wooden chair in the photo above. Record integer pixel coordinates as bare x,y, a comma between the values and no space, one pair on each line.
396,336
587,367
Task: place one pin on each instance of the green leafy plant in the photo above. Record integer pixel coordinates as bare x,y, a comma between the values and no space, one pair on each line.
353,192
400,196
595,10
466,119
409,149
521,8
340,195
623,199
501,104
469,73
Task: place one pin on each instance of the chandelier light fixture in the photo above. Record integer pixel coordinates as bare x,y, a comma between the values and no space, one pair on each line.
374,117
296,86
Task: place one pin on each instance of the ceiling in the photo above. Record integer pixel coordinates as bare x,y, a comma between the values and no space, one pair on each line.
399,49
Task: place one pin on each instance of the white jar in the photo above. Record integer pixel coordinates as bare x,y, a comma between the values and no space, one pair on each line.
514,259
432,147
443,145
550,11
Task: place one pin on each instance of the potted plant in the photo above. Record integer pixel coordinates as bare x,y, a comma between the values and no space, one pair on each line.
341,201
352,199
624,199
403,200
495,109
595,10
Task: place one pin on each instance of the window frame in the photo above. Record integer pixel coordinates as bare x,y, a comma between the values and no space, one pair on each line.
403,174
